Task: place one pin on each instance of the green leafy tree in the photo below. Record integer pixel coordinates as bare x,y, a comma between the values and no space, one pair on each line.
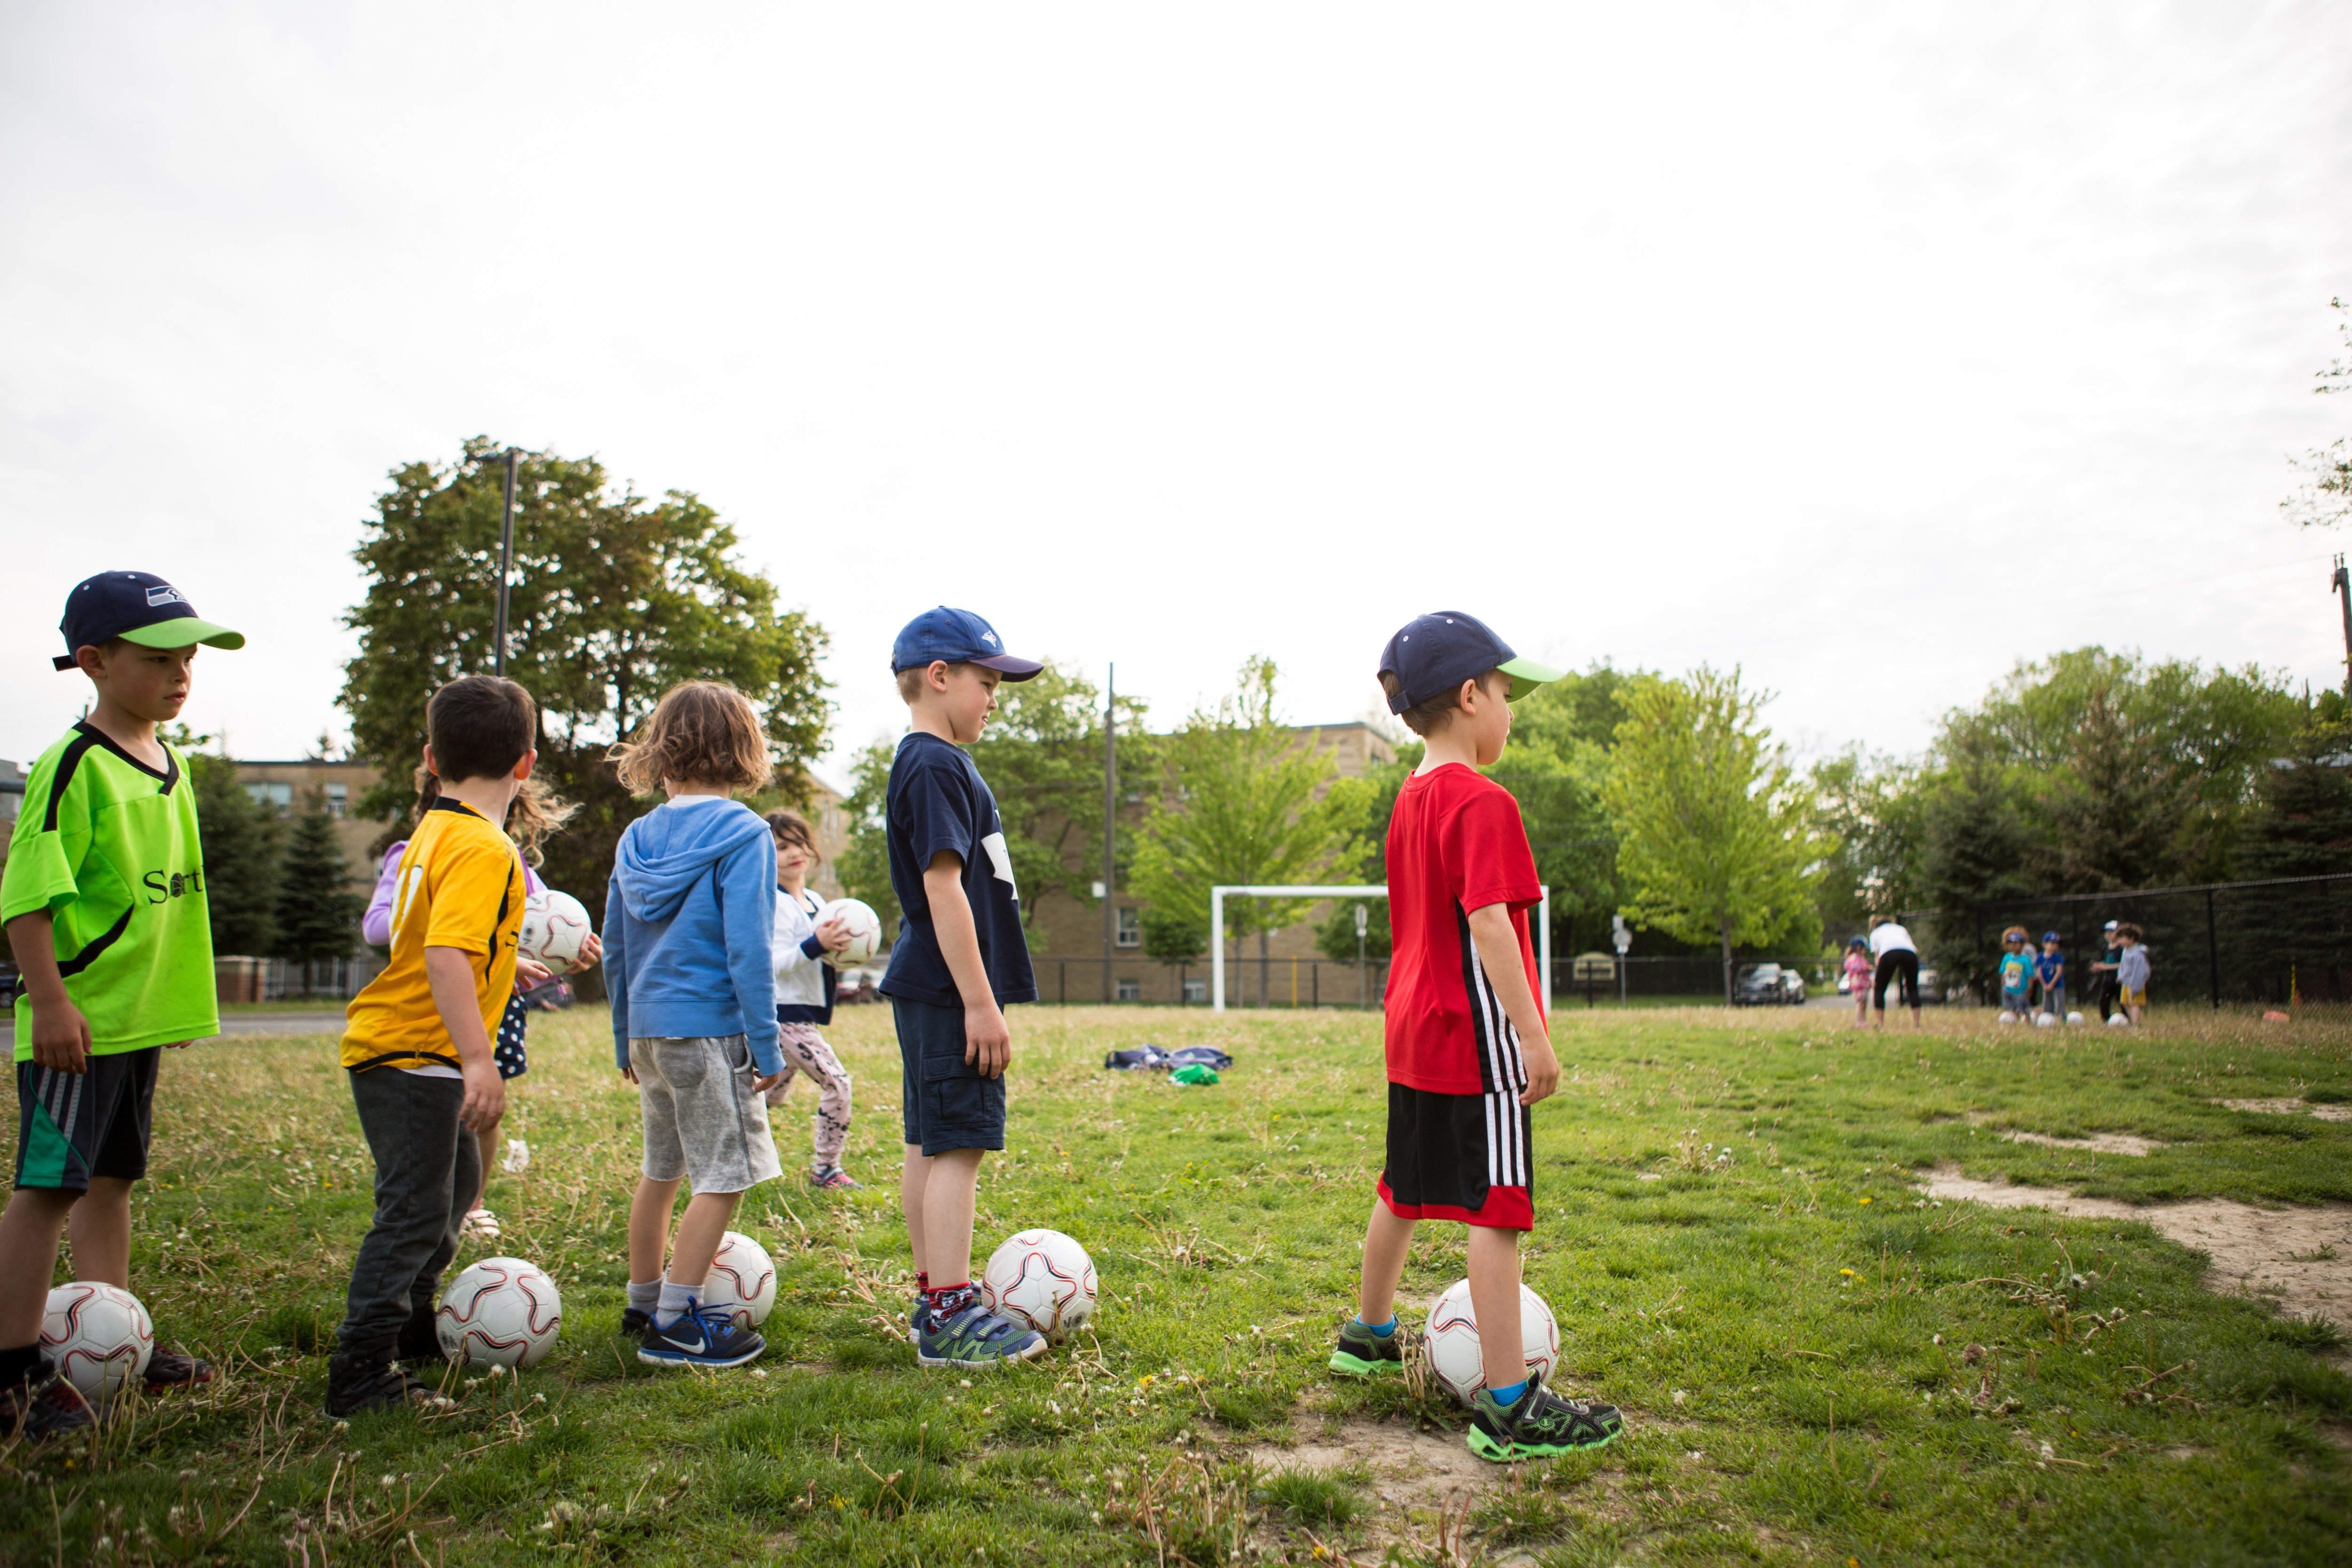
1715,835
1867,812
615,599
2324,499
242,841
316,912
1974,846
1557,767
1241,798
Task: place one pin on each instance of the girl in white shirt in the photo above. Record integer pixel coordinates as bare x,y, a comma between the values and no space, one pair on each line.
805,996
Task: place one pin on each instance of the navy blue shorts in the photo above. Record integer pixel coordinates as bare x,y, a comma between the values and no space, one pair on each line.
947,1104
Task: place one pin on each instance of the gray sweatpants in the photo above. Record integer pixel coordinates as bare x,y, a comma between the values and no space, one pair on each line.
427,1168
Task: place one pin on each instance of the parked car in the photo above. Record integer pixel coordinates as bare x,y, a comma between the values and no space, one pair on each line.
857,985
1767,985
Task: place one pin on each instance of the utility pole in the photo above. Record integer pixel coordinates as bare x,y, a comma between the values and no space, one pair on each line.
1110,818
2341,583
506,560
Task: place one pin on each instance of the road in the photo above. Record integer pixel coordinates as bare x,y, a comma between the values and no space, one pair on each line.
245,1023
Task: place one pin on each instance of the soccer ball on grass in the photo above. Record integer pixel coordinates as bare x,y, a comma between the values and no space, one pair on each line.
1452,1340
98,1336
1041,1278
742,1282
503,1311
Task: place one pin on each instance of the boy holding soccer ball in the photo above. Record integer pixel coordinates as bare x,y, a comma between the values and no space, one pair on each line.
104,901
960,957
1468,1049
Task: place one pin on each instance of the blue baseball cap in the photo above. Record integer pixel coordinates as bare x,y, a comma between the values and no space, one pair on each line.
958,637
138,607
1437,652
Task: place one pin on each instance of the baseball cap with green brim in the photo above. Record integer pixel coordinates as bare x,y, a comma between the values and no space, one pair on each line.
139,607
1435,653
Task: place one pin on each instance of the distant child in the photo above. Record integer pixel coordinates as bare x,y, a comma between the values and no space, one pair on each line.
1468,1047
534,814
418,1043
104,903
2016,970
2131,971
2103,982
1857,977
1898,965
687,924
2050,972
959,959
804,996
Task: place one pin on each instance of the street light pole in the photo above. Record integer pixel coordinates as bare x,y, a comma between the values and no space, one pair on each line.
506,560
2341,583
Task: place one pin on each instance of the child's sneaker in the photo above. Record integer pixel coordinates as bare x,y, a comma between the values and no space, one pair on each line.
1363,1354
1539,1425
701,1336
45,1406
635,1323
834,1176
170,1368
973,1337
373,1381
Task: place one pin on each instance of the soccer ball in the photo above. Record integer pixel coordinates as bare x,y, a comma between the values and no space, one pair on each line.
98,1336
1452,1340
2045,1020
743,1281
1043,1279
865,930
2073,1017
554,924
2008,1018
2119,1021
503,1311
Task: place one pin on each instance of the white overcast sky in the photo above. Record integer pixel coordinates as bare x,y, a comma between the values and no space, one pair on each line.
1869,347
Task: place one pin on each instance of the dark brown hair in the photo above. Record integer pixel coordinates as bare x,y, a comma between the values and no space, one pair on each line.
2129,932
791,827
701,731
1432,714
480,726
536,812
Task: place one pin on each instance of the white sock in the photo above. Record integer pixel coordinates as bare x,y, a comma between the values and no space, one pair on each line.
645,1296
674,1301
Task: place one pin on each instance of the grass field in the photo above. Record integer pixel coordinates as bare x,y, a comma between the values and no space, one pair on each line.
1817,1363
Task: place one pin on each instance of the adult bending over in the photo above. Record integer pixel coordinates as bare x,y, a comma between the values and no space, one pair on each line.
1892,947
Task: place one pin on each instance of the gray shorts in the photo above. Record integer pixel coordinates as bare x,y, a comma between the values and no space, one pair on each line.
702,1121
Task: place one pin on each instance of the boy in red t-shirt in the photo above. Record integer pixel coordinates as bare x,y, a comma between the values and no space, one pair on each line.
1468,1049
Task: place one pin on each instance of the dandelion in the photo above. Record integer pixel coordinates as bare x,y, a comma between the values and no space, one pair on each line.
1866,1200
1848,1273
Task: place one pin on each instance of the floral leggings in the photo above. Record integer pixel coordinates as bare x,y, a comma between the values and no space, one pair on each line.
806,1052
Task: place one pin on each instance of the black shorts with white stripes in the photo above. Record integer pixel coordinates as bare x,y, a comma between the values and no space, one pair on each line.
1459,1156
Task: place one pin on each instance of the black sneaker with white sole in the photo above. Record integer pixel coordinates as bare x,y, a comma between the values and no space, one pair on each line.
700,1336
374,1380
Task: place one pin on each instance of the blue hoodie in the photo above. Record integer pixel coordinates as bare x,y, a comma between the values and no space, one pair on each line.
687,926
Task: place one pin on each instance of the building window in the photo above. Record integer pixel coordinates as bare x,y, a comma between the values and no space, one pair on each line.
1131,928
1196,991
1131,990
338,800
271,795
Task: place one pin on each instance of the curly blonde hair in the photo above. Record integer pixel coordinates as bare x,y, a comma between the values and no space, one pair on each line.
701,731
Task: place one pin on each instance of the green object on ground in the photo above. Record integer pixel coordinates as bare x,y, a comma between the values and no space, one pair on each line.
1196,1073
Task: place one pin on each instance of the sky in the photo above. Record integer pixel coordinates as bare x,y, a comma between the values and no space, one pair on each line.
1871,349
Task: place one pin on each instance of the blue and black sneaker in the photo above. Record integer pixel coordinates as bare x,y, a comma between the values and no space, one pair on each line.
973,1337
700,1336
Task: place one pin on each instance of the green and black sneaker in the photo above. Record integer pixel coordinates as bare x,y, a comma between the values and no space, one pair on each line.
1363,1354
1539,1426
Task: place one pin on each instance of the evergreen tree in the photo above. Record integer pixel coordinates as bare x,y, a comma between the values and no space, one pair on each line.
242,842
1974,845
317,914
2282,939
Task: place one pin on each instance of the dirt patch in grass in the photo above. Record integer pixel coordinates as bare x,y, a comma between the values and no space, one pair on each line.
2290,1108
1413,1468
2298,1258
2104,1143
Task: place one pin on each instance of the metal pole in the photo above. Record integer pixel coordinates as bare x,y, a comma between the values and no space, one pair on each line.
2342,585
1543,950
506,560
1110,816
1216,949
2212,945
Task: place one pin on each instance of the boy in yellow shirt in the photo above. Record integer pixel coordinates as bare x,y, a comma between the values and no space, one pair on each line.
418,1043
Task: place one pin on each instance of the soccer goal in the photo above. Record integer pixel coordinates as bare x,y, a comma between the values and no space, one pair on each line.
1217,896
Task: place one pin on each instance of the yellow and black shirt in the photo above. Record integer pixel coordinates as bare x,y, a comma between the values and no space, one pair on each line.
459,885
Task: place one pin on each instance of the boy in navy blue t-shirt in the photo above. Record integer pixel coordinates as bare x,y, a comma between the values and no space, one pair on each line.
960,957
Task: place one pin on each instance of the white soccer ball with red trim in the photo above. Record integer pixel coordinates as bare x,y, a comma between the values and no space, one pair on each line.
1043,1279
865,930
503,1311
743,1281
554,925
1452,1339
98,1336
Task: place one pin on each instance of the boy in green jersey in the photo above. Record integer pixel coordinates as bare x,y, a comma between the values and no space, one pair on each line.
104,904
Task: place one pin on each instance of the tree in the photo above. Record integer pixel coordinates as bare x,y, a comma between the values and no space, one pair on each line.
2325,498
317,914
1557,767
242,844
2302,827
1974,845
1241,798
615,599
1867,811
1713,836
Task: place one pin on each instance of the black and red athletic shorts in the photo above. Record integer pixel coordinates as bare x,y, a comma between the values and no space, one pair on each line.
1460,1156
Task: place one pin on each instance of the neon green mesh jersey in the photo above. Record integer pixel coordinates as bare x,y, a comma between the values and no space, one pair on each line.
109,847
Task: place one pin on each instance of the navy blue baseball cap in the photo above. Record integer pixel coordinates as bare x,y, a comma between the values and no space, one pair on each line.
1435,653
138,607
958,637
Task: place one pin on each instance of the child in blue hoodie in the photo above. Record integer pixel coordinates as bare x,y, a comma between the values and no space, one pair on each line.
687,927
